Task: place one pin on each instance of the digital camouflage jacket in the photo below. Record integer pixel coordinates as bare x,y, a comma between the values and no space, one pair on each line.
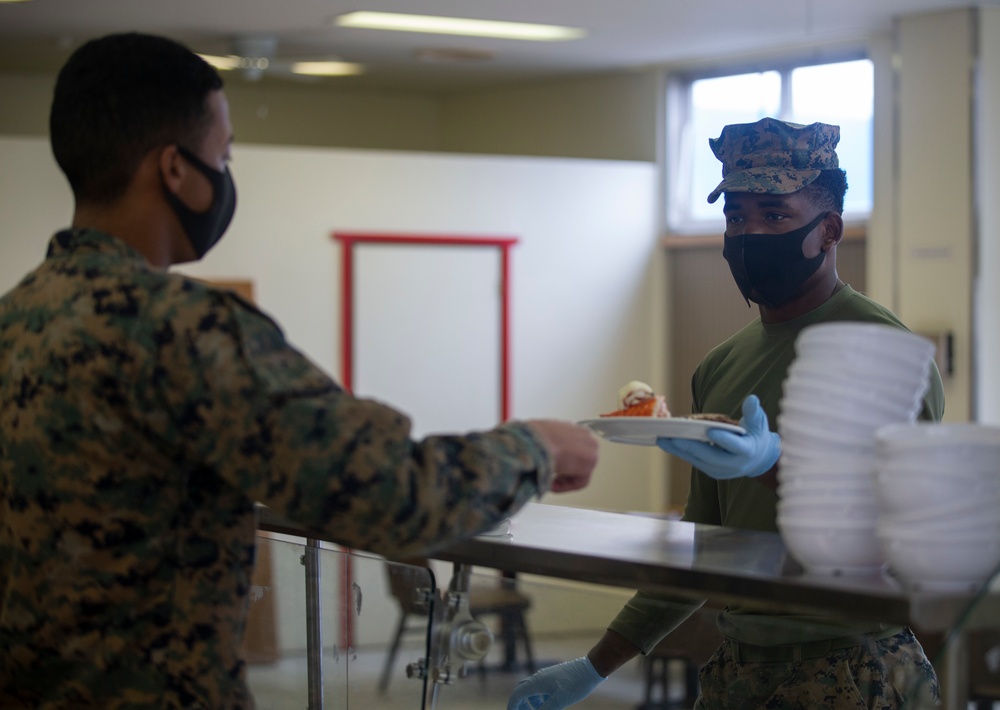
142,415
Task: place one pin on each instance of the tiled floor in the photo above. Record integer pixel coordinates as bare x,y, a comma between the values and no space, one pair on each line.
353,683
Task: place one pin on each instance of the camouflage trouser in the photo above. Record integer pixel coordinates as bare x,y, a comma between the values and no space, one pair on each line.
875,676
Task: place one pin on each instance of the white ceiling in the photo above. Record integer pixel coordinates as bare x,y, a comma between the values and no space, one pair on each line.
621,34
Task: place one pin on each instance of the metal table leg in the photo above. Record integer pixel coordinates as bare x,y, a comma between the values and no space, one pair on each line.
314,625
955,685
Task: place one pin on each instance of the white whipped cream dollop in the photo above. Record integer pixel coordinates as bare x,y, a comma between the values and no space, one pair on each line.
633,393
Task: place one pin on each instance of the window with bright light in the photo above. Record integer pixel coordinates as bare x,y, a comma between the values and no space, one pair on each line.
841,93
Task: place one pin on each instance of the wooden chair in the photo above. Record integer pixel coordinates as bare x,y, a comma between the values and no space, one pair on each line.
691,644
984,667
502,600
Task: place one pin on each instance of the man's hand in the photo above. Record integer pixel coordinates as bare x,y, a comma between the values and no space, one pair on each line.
574,452
556,687
732,455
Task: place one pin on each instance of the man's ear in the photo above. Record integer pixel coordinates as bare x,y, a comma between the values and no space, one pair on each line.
171,167
832,232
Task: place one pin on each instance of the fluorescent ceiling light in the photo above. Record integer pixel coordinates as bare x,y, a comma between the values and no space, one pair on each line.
327,68
231,62
458,26
225,63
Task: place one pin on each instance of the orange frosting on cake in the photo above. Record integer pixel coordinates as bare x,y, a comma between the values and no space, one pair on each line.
637,399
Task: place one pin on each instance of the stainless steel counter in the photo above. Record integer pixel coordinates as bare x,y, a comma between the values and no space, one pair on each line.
704,562
697,561
701,561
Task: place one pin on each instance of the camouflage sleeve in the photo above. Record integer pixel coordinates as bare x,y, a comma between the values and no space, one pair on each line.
253,409
647,618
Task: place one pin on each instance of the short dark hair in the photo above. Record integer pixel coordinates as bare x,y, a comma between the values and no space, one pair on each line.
117,98
828,190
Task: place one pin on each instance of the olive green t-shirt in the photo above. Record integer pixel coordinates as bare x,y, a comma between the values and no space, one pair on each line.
755,361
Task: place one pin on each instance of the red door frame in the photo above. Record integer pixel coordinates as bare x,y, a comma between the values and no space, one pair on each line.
347,241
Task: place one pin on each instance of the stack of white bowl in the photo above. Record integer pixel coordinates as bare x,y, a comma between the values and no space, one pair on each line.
847,381
938,490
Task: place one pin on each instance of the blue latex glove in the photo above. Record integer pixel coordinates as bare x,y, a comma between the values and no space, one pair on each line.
556,687
732,455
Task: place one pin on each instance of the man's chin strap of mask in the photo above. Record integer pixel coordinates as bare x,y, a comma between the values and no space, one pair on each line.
772,266
205,229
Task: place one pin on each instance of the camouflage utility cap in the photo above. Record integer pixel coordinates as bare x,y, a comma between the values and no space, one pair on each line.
773,157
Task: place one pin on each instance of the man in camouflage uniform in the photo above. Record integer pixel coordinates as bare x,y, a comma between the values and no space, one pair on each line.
784,195
143,414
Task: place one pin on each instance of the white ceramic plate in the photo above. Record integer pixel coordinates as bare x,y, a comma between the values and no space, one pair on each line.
645,430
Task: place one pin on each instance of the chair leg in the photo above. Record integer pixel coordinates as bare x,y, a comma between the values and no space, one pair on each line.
383,682
657,670
691,672
649,663
509,631
526,640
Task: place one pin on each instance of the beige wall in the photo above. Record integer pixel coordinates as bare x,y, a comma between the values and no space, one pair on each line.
271,112
935,230
24,109
607,117
284,114
610,116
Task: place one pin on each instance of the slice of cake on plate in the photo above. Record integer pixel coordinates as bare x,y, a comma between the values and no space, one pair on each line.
637,399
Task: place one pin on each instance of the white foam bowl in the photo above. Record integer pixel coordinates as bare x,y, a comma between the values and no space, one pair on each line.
981,461
845,496
862,367
942,563
807,460
869,358
955,527
938,530
856,489
801,462
847,404
803,387
830,548
953,466
881,377
948,513
828,432
852,334
873,339
828,508
857,493
832,468
914,490
818,479
824,447
960,437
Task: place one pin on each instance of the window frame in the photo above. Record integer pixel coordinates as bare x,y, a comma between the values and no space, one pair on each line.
678,112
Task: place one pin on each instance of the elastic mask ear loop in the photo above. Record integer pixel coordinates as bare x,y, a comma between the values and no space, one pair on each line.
205,229
746,273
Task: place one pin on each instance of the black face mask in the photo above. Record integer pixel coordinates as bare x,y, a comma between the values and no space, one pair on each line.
205,229
771,267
